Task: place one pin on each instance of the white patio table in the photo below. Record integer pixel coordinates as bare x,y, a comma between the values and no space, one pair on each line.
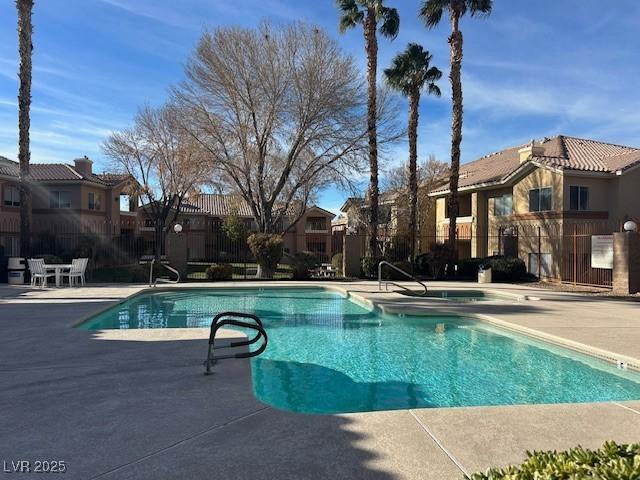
58,269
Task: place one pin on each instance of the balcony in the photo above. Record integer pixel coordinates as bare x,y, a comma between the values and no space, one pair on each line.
316,227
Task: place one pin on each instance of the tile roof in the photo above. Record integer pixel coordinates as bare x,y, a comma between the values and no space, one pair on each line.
560,152
221,205
47,172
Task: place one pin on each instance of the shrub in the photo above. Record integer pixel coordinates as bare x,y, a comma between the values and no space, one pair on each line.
336,263
51,259
506,269
219,271
302,263
468,268
369,266
267,249
433,263
609,462
121,274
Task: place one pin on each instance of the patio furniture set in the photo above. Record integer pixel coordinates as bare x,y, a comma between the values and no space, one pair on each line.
42,271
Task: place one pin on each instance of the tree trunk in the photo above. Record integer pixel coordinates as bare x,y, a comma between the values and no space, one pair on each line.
25,28
455,41
414,101
371,47
159,240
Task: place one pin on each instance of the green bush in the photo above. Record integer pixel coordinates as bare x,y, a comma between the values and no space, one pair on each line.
302,263
506,269
267,249
612,461
468,268
51,259
121,274
336,263
219,271
433,263
369,266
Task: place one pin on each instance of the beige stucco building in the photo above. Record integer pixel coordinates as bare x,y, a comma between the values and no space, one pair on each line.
66,197
543,193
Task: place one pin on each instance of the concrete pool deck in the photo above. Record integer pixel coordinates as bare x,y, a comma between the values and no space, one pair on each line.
135,405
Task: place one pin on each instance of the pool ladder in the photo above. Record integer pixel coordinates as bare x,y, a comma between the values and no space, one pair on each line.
231,318
399,270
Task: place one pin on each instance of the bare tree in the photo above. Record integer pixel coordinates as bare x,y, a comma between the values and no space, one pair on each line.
283,112
25,46
430,173
167,164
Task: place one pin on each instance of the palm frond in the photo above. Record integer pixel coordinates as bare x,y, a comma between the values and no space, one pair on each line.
410,71
434,90
351,14
479,7
390,22
431,11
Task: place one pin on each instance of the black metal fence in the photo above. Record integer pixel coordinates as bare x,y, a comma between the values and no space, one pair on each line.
109,246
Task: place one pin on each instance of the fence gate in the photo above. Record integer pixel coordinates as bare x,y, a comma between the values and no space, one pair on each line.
576,267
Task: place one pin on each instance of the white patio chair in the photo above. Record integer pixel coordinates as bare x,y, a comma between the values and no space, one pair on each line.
78,266
38,272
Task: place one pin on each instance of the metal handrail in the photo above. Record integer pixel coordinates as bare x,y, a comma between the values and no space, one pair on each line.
223,319
162,280
387,282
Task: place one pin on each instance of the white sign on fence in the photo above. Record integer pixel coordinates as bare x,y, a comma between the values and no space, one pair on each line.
602,251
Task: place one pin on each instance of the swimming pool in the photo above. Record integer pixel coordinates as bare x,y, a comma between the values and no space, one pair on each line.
329,354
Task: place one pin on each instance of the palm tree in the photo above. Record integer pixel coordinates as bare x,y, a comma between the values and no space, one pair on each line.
370,14
25,29
431,13
409,73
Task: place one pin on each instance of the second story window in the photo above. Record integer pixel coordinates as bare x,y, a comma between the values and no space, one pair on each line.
540,199
578,198
503,205
149,223
11,196
60,200
94,201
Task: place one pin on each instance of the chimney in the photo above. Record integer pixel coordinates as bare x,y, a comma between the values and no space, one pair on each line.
83,166
531,150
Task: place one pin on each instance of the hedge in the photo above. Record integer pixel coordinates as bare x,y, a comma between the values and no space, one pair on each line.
302,263
219,271
612,461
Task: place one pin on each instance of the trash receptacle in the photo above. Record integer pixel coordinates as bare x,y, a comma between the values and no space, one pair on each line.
484,275
16,268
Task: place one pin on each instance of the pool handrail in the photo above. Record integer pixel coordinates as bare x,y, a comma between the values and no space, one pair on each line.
226,318
397,269
153,283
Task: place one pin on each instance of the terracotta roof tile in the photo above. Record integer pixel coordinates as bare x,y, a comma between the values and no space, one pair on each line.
566,153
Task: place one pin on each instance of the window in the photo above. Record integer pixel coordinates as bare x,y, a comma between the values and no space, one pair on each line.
60,200
11,196
503,205
578,198
540,199
94,201
316,246
149,223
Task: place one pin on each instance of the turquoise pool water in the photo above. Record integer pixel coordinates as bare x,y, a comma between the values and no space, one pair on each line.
328,354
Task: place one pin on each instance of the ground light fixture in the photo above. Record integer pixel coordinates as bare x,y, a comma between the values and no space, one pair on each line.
630,226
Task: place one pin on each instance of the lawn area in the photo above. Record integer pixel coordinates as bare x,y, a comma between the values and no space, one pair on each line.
241,271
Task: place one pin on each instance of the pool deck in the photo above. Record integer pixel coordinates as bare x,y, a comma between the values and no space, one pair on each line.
135,405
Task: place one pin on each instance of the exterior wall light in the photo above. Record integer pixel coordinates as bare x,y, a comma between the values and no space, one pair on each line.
177,228
630,226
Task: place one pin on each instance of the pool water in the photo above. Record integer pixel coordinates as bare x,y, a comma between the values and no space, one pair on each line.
328,354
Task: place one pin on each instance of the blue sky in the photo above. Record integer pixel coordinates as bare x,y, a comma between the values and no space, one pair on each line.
533,69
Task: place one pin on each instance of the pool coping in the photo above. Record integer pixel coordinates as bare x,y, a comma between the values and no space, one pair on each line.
624,362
